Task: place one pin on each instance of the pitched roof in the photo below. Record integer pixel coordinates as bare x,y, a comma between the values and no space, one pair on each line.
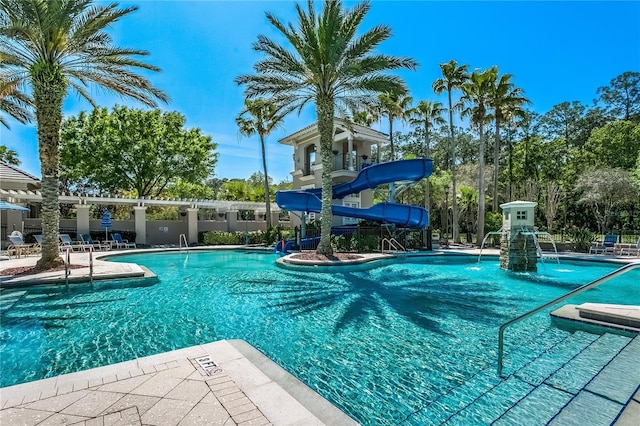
340,123
11,173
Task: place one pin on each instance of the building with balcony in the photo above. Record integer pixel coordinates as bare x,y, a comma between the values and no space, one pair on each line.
351,151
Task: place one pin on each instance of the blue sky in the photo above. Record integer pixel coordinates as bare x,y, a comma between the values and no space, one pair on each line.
557,51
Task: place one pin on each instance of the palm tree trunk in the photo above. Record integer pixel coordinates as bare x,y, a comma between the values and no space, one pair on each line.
267,196
325,127
496,160
427,195
454,191
49,89
480,230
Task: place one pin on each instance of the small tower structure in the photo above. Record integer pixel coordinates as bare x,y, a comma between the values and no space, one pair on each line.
518,248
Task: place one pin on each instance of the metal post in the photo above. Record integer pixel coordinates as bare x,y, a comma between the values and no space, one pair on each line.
91,264
246,228
66,266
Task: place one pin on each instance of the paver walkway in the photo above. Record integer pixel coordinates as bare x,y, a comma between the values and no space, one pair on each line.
212,384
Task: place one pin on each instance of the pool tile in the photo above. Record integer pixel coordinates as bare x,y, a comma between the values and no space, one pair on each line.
537,408
619,380
579,371
587,409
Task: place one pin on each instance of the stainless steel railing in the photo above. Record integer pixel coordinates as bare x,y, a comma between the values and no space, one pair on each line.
578,290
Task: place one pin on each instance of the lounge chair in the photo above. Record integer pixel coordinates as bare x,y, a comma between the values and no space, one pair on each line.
38,243
18,246
67,242
607,246
119,242
97,245
630,249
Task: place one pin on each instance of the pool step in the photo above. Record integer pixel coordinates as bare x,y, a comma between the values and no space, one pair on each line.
8,299
445,407
558,379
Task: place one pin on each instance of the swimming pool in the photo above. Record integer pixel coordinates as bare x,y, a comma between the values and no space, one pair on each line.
380,342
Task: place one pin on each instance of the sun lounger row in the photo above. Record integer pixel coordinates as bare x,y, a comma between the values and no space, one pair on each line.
87,242
610,245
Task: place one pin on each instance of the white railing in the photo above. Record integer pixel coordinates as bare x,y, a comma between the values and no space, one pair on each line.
183,239
392,245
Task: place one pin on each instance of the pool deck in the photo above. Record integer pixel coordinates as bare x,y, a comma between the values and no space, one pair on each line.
224,382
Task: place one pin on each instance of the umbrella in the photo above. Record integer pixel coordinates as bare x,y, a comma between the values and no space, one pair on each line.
8,206
106,222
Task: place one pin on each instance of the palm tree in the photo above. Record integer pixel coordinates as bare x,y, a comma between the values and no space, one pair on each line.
52,46
505,100
453,77
9,156
429,114
13,102
476,100
393,105
263,118
328,66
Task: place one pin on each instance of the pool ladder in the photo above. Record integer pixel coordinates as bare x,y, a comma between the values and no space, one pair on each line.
592,284
392,245
183,239
67,264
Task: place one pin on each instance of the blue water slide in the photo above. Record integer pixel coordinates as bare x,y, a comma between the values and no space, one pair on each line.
378,174
368,178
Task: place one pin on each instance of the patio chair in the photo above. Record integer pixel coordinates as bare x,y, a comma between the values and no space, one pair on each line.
97,245
38,243
119,242
607,246
18,246
630,250
67,242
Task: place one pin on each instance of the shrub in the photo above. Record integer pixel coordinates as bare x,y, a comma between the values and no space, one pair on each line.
366,244
222,238
581,239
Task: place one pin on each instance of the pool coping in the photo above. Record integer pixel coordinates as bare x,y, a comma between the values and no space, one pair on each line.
241,371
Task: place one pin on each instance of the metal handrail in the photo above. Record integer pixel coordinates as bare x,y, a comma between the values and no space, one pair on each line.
392,243
183,237
91,264
592,284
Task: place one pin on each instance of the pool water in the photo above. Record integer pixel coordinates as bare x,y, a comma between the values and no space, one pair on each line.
380,341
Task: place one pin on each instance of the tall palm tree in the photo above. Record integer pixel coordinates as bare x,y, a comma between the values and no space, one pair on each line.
9,156
476,99
505,100
13,102
394,105
329,66
453,77
260,117
427,114
52,46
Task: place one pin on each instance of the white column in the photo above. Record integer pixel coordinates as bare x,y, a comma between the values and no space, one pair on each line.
140,220
192,223
350,148
82,218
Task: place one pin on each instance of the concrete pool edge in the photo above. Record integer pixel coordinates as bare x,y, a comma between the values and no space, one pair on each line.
241,373
319,406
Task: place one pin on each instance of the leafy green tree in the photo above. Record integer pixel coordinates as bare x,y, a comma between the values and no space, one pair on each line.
13,101
614,145
604,190
134,149
476,99
9,156
453,78
622,96
330,66
53,46
563,121
261,117
506,101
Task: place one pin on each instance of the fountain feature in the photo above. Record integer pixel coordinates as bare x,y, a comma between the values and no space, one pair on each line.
519,245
